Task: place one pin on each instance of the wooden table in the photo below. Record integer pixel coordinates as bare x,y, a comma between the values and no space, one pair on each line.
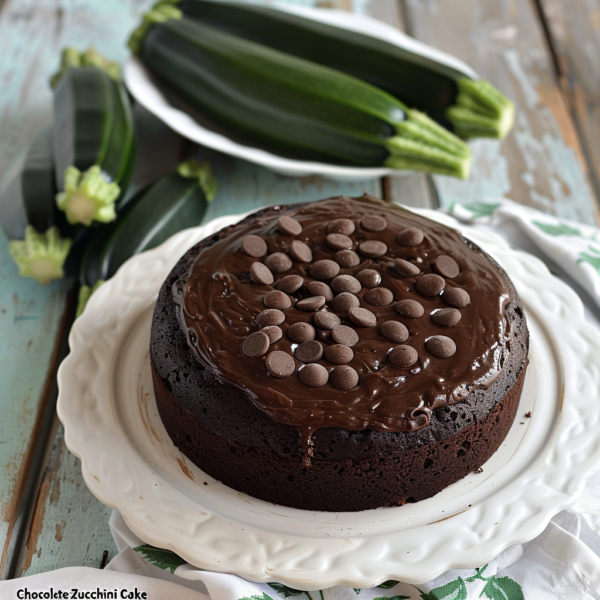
543,54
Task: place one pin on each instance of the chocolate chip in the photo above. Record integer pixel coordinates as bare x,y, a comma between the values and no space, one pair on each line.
313,375
344,335
344,302
309,352
379,297
327,320
274,333
343,377
346,283
372,248
311,304
280,364
318,288
324,269
394,331
457,297
446,266
260,274
373,223
403,356
256,344
276,299
369,278
301,332
272,316
347,259
441,346
448,317
362,317
289,284
339,241
254,246
300,252
430,285
410,237
344,226
409,308
278,262
338,354
289,225
405,268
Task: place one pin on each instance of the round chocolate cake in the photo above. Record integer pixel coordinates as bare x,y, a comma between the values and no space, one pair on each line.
338,355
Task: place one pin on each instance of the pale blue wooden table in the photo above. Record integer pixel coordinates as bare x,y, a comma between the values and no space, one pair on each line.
541,53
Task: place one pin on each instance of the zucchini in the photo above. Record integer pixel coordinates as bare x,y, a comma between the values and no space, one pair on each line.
289,104
29,215
94,141
174,202
446,91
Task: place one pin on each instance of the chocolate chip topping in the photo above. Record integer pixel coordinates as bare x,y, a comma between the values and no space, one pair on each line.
280,364
338,354
318,288
446,266
403,356
254,246
405,268
344,335
313,375
456,297
271,316
373,223
278,262
260,274
301,332
343,377
362,317
289,284
327,320
289,225
343,226
441,346
372,248
347,259
274,333
409,308
448,317
411,236
343,302
256,344
324,269
394,331
369,278
309,352
346,283
379,297
300,252
311,304
276,299
430,285
339,241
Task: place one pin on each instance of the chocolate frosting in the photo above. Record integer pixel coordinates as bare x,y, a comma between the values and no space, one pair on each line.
218,304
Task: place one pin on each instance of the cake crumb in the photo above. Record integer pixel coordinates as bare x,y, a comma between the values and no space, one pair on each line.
528,415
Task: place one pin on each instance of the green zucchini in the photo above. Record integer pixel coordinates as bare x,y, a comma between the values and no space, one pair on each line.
291,105
445,91
37,232
94,141
174,202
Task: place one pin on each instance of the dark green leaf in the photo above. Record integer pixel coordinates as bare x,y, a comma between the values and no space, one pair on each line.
561,229
357,590
386,585
284,590
502,588
164,559
393,598
454,590
263,597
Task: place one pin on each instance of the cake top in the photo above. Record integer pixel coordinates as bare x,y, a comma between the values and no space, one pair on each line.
346,313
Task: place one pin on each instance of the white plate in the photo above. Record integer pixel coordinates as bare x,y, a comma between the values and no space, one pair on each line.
107,406
142,87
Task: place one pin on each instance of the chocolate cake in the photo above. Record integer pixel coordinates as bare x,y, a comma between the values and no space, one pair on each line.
340,355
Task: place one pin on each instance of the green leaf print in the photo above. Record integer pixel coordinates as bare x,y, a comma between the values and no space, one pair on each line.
163,559
455,590
555,230
284,590
393,598
263,597
593,260
481,209
502,588
386,585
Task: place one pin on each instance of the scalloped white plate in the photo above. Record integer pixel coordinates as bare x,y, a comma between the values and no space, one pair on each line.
107,406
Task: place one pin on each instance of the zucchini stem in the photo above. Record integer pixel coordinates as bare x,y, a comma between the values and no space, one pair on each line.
88,197
40,255
71,57
85,293
160,13
202,171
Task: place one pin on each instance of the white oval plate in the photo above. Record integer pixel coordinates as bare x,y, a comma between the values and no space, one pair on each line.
142,87
107,406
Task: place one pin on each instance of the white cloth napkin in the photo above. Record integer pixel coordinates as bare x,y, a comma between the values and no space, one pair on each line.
563,563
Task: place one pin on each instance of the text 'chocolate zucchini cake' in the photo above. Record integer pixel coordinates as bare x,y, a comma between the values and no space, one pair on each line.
338,355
